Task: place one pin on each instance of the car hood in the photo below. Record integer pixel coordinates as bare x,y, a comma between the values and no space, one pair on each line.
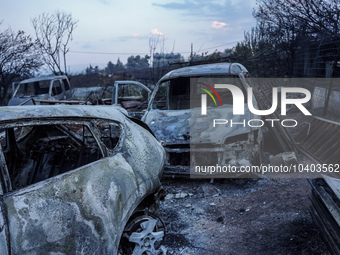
189,126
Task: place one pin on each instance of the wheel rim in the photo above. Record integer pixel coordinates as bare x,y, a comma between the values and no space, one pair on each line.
147,239
144,234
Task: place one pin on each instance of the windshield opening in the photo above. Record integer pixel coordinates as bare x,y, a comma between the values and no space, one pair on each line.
186,92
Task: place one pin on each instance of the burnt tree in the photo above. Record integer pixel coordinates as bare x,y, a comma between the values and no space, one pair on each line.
18,59
54,32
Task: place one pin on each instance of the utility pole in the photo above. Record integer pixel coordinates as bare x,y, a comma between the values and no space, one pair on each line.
192,52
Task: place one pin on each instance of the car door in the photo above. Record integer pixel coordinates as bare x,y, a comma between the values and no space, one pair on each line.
67,89
132,96
74,212
57,90
4,234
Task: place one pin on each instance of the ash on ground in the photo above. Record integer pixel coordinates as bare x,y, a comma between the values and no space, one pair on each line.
240,216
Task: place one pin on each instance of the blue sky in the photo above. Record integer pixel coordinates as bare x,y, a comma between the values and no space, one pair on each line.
116,28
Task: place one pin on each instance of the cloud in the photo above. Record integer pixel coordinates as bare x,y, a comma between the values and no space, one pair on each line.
155,31
235,10
202,9
136,35
87,46
105,2
218,25
175,6
126,38
213,19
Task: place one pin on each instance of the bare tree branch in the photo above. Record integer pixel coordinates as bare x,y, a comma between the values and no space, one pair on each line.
18,58
53,33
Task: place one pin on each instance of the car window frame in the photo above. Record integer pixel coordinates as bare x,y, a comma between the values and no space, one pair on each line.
5,182
90,123
243,86
115,96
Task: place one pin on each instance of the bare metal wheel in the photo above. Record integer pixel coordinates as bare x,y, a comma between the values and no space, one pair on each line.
144,234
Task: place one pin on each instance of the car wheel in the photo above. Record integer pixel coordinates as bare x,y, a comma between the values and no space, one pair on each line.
143,234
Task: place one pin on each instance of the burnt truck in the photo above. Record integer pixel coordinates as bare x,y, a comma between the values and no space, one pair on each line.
174,115
40,90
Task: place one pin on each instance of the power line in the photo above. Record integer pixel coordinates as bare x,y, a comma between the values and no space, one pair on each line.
218,46
106,53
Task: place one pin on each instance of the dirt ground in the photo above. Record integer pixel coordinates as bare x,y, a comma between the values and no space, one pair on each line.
240,216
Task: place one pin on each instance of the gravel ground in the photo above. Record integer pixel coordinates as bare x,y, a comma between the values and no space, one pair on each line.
240,216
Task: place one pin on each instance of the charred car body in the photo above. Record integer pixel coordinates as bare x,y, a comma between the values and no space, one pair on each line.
133,96
41,89
78,180
176,101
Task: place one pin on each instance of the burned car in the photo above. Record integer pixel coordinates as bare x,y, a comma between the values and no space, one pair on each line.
78,180
45,88
175,116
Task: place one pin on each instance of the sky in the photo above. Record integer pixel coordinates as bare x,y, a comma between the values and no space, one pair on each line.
112,29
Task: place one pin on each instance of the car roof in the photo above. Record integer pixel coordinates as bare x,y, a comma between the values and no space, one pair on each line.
214,69
43,78
41,112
